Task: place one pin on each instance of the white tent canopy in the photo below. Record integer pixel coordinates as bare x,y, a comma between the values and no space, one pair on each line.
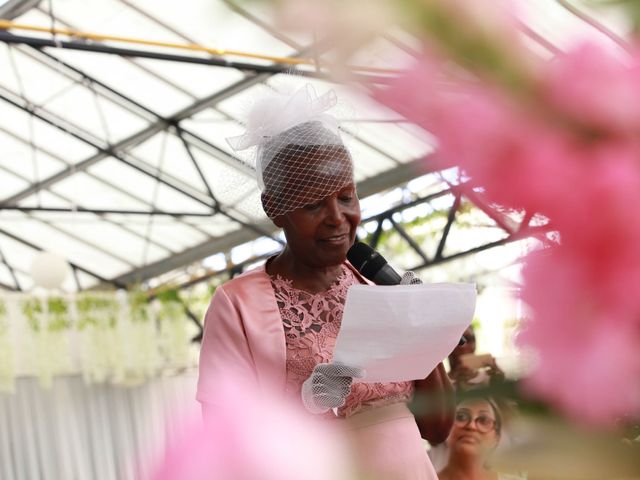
120,164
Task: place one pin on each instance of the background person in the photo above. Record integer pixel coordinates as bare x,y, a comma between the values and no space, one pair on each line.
467,370
475,435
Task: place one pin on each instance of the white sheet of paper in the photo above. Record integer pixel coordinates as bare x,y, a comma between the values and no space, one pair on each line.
401,332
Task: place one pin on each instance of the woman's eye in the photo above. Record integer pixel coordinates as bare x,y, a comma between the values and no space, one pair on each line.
346,199
484,420
312,206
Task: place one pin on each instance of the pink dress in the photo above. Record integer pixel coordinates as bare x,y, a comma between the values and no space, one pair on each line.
382,429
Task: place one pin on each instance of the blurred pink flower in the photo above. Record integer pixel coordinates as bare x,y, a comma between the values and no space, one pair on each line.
502,147
573,156
585,294
603,232
588,362
596,87
253,436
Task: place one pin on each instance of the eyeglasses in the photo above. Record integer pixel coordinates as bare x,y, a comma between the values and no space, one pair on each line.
483,423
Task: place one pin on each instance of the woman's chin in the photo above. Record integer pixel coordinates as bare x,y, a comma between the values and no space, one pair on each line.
468,447
335,258
333,254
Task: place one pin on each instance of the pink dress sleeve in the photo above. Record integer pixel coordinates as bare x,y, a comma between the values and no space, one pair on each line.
225,350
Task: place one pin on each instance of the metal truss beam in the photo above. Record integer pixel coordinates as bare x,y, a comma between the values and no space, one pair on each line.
57,64
9,288
11,272
328,42
140,110
104,151
412,243
111,152
28,211
204,145
73,265
445,232
254,68
395,177
76,278
521,235
513,231
375,238
95,177
100,211
192,157
140,137
181,132
95,47
135,139
193,254
525,231
15,8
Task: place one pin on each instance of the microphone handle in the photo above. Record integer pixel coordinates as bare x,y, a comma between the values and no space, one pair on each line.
387,276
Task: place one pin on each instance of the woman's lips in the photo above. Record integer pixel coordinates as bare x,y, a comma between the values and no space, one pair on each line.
468,437
335,239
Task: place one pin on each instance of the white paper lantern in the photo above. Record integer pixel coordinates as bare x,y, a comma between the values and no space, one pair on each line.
49,270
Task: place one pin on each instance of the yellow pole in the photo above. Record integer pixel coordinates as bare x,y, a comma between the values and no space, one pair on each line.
8,25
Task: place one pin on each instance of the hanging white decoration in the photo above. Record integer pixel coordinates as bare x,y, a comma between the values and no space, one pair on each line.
49,270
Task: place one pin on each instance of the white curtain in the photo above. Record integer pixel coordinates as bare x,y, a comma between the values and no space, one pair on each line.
79,431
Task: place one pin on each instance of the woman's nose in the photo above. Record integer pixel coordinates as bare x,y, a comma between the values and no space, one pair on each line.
471,424
335,213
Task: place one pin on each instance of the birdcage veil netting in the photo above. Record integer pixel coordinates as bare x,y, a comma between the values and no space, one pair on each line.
296,147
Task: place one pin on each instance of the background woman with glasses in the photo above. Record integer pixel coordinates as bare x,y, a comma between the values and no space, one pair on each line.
474,436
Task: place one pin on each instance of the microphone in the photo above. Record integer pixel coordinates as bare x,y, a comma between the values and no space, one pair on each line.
374,267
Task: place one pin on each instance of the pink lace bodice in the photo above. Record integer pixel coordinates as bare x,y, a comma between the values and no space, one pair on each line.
311,324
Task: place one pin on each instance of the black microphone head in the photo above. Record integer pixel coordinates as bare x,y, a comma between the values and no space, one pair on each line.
370,264
359,254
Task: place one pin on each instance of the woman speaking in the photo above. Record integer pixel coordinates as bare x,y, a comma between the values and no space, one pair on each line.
276,325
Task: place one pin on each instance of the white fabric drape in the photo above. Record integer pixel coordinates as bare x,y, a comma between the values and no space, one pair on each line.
78,431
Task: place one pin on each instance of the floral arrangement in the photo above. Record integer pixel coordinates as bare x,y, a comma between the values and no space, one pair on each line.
110,337
558,139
